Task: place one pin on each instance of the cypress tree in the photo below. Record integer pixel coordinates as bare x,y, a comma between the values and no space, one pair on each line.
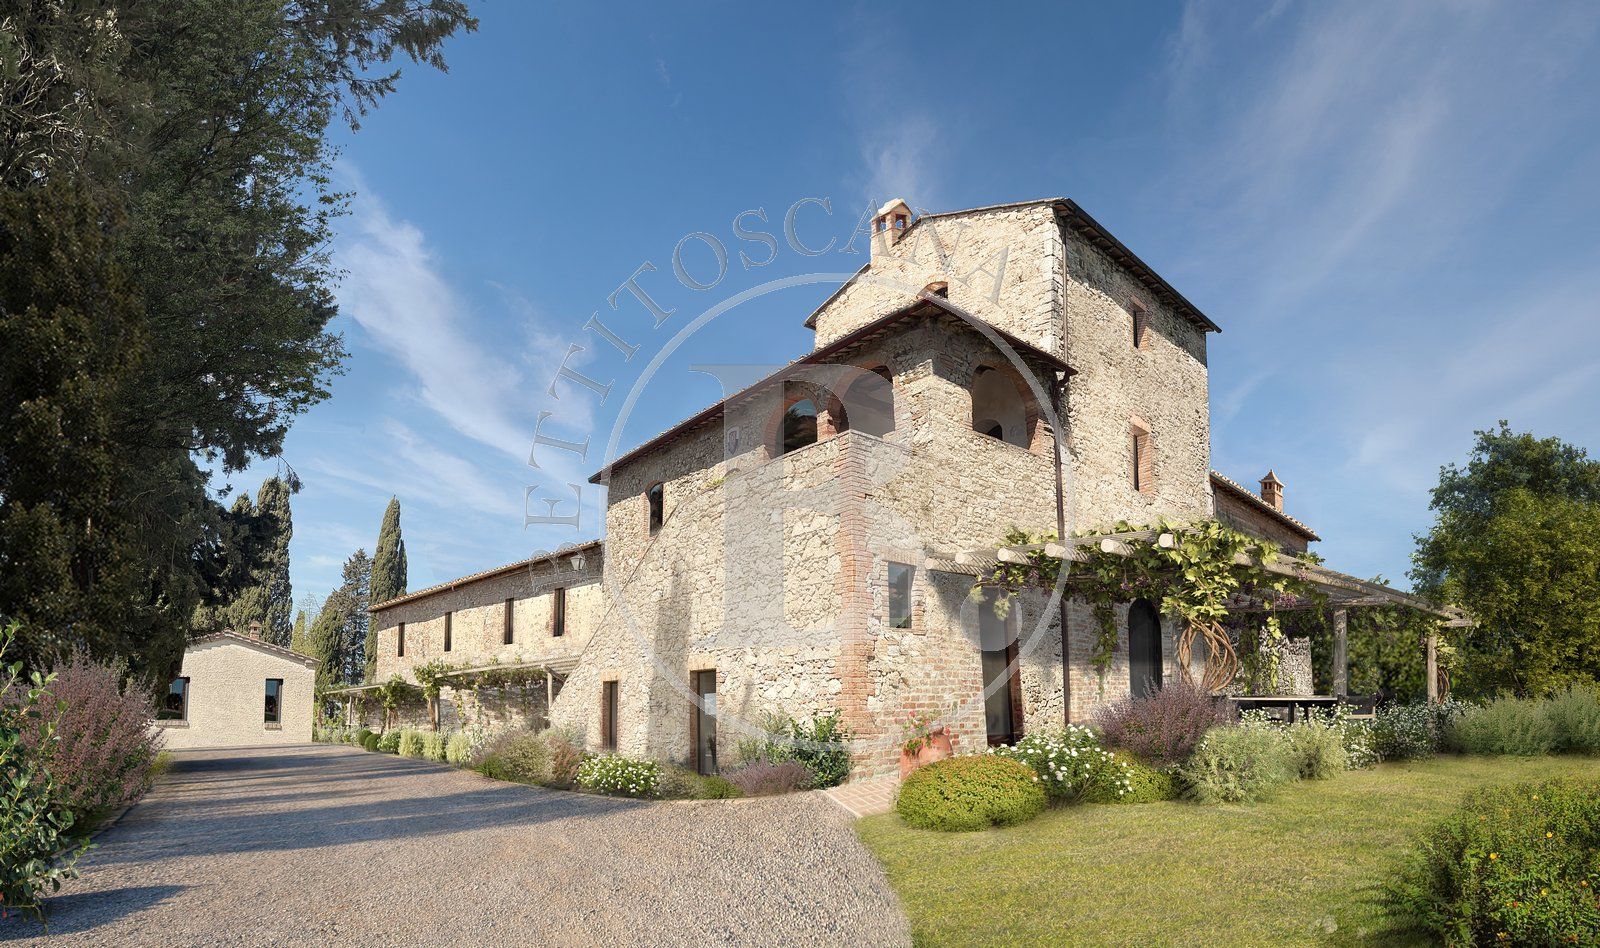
271,575
297,638
388,568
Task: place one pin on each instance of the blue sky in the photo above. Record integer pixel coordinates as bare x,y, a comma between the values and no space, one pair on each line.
1391,210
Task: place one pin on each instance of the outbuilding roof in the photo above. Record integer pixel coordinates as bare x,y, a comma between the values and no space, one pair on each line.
925,305
1250,497
255,643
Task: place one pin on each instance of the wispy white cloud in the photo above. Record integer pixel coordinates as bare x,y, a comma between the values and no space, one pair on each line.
394,290
1353,175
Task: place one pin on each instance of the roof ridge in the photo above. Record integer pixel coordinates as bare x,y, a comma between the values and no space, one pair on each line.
565,550
1262,504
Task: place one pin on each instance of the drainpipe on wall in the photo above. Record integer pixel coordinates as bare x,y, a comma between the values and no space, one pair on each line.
1060,396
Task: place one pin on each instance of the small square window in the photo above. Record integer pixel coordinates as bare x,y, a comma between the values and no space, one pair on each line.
900,578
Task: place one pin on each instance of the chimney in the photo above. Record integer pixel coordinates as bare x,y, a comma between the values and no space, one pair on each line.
1272,490
891,223
255,630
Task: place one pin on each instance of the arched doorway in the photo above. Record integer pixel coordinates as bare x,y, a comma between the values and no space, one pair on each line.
1144,648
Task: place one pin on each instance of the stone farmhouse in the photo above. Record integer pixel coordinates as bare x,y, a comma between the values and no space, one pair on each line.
795,547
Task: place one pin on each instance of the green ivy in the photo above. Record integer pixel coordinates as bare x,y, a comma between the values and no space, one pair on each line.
1195,581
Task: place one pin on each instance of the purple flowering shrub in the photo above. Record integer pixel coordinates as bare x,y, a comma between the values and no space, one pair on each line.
1164,727
104,745
762,779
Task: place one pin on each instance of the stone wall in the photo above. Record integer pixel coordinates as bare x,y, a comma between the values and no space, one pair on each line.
227,697
1247,517
1162,383
477,617
974,252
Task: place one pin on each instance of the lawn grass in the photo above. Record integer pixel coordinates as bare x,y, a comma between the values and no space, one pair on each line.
1304,868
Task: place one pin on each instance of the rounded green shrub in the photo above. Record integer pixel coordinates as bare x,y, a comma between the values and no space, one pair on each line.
1071,764
1513,865
1318,750
389,743
1238,764
370,740
521,756
458,750
681,783
1139,782
1520,727
970,793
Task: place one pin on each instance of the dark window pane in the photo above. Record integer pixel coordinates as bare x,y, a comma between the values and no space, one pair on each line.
274,702
656,498
900,576
175,704
799,425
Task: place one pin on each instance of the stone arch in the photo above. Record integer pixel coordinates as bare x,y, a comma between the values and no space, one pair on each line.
1144,648
1003,407
868,401
808,413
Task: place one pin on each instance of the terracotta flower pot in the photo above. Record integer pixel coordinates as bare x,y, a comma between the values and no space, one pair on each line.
936,746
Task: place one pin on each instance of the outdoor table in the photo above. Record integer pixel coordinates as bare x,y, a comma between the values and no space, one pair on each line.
1291,702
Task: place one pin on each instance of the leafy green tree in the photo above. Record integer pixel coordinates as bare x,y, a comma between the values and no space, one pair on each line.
71,334
388,568
338,636
1517,542
206,122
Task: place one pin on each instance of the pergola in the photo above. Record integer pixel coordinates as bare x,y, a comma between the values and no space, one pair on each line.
552,668
1343,592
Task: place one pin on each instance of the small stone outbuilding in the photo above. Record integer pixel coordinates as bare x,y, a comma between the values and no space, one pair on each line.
238,691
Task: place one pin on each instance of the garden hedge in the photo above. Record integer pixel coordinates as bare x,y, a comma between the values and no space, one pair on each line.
970,793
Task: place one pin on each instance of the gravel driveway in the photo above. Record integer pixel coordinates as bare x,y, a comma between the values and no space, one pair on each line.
328,845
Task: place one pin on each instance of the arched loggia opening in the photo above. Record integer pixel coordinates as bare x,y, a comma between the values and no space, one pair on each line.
869,403
999,408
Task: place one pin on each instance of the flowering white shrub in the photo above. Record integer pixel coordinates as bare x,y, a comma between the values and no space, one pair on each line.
1071,764
620,775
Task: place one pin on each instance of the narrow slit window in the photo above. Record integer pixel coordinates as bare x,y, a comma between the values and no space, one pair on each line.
1143,459
400,642
900,578
273,710
558,611
510,636
448,624
1141,324
656,499
608,715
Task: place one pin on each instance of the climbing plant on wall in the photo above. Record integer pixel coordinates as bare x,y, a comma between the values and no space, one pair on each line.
1207,567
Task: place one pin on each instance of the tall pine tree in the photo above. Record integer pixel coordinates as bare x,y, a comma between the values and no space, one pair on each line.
388,569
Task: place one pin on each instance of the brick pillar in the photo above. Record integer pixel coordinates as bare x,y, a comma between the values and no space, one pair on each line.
853,594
